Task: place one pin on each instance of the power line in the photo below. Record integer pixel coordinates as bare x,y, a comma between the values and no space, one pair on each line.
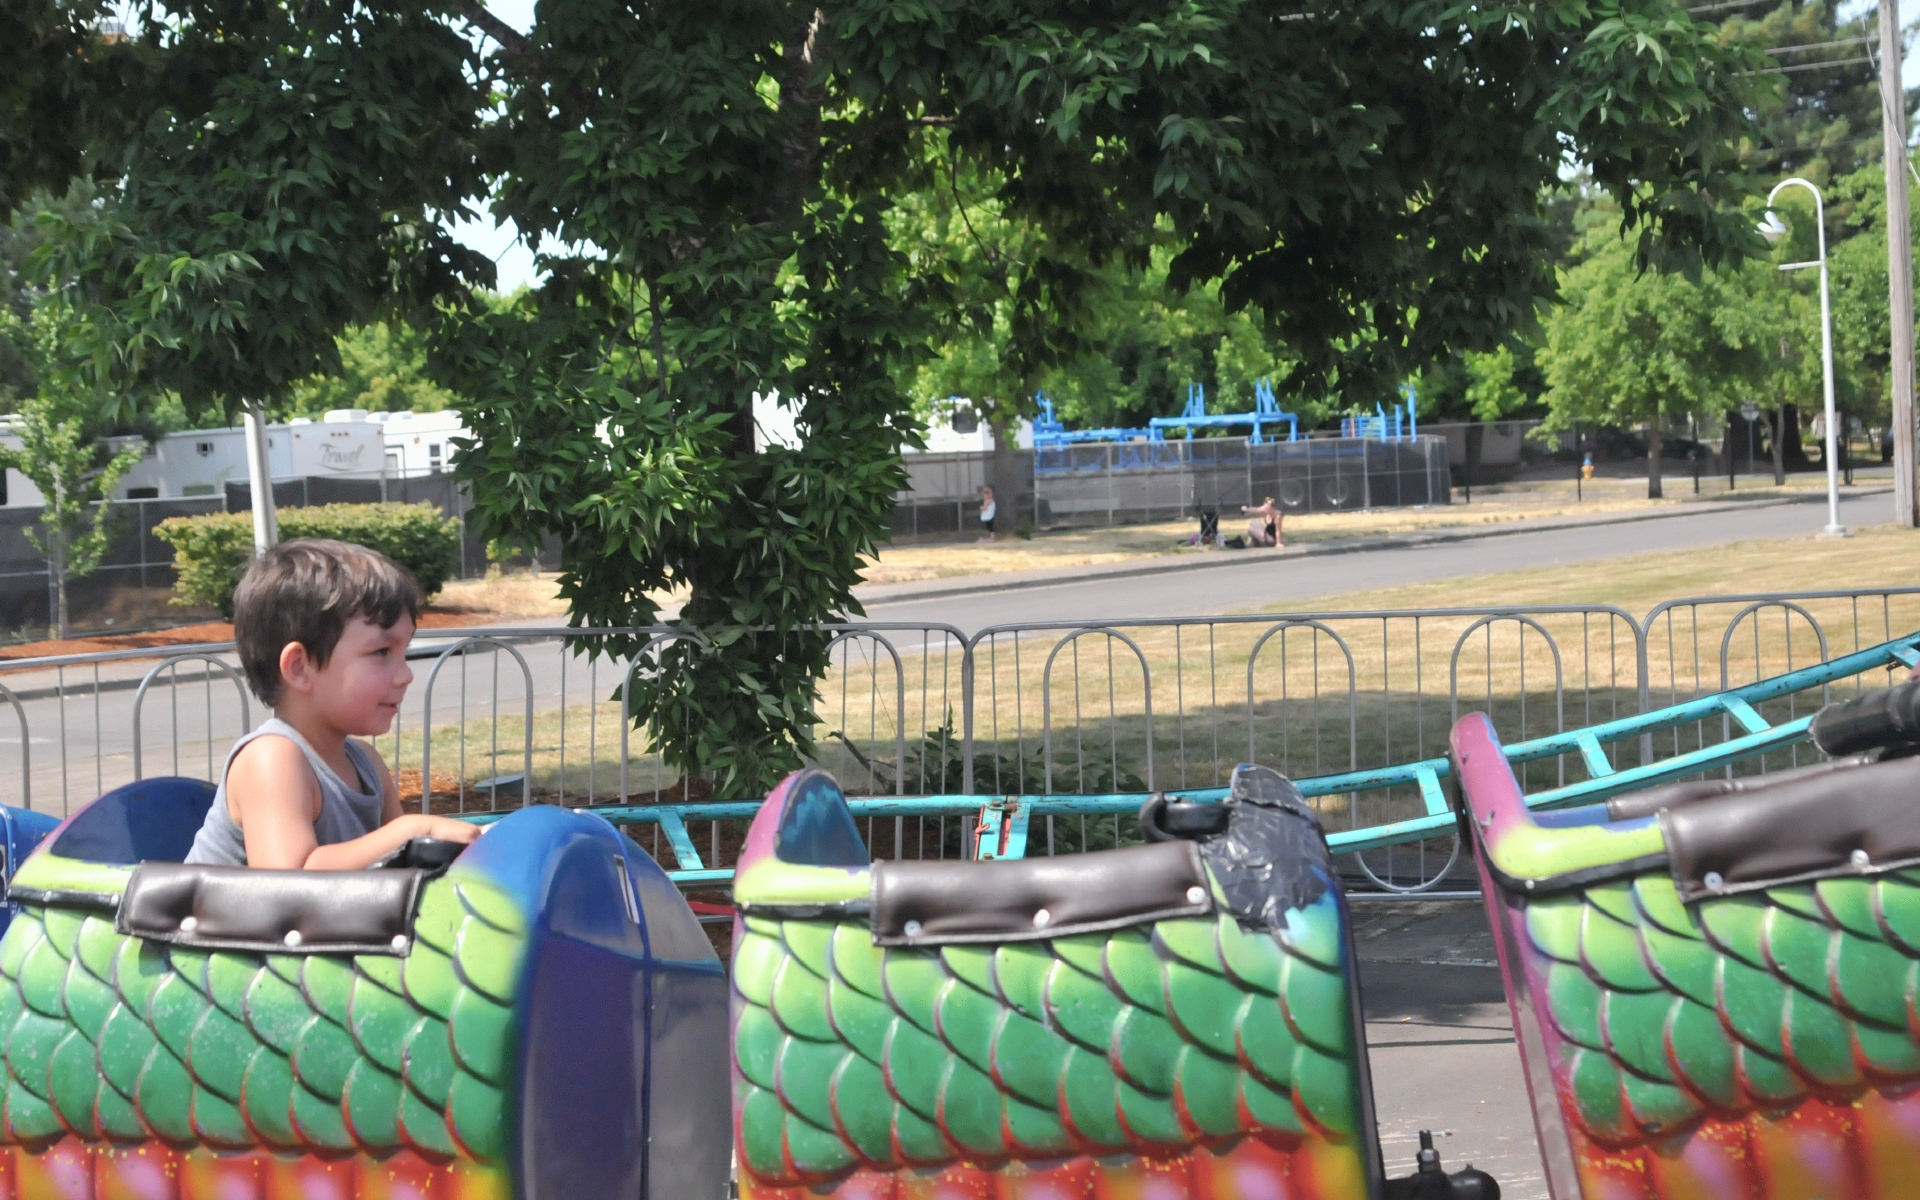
1839,62
1815,45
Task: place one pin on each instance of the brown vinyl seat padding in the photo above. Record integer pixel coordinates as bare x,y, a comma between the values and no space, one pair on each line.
1807,825
281,912
1674,795
929,903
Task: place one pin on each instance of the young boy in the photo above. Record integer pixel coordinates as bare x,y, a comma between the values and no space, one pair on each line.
322,629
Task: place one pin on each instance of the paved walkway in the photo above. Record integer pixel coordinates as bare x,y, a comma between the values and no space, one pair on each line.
1440,1040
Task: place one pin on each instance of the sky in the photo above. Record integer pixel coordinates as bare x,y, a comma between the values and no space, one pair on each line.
511,257
515,262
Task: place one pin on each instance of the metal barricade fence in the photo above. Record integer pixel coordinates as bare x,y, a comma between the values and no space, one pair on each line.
499,717
1701,645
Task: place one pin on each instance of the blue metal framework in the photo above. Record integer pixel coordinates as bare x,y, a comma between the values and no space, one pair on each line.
1003,822
1386,426
1266,412
1049,431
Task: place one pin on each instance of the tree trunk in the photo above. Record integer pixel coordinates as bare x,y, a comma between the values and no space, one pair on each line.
1779,440
61,625
1003,467
1653,459
1793,455
1476,441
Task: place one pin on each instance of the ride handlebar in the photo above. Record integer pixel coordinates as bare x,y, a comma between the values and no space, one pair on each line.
1885,719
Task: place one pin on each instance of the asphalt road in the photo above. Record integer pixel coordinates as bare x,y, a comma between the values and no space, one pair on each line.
1286,581
1440,1042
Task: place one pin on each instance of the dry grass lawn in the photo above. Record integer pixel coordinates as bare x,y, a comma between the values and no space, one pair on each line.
1493,505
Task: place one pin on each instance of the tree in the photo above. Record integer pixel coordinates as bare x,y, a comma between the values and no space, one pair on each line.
63,455
711,189
1818,112
1632,349
383,367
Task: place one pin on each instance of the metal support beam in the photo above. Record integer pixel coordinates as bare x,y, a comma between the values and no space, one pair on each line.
266,524
1893,127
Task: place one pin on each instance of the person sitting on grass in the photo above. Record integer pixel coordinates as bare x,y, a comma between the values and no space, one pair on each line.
322,629
1264,528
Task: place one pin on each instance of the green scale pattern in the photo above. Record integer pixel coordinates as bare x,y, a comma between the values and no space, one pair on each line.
1749,1002
1159,1036
116,1039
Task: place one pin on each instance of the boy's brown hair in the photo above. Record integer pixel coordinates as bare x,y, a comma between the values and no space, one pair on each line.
307,591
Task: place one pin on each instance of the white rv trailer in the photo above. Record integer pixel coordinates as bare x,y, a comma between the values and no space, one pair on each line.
417,443
200,462
346,443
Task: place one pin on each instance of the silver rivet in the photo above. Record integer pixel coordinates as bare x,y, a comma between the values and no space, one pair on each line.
1861,859
1041,918
1715,880
914,928
399,943
293,937
1196,895
1529,885
189,924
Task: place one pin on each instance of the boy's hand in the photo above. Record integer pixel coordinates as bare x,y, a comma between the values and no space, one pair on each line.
444,829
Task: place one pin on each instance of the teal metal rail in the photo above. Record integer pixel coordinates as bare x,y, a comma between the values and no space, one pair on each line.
1003,822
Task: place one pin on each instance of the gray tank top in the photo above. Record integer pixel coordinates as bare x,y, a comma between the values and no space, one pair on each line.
345,814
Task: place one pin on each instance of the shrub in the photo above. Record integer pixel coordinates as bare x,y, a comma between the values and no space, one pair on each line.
212,552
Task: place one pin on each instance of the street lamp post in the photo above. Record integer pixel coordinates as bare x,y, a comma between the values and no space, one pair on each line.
1773,229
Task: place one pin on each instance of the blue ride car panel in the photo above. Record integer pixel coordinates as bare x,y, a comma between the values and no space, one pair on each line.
690,1109
149,820
818,832
615,994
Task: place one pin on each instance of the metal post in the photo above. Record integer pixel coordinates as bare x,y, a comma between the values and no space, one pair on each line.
1773,229
1834,527
1893,133
266,527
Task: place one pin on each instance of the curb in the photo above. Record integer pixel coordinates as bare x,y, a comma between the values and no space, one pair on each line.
978,584
80,691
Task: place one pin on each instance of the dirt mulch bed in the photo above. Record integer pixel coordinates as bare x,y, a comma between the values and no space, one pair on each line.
211,631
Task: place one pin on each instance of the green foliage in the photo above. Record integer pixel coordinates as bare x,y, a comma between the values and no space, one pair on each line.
1820,123
383,367
61,450
281,173
212,552
799,198
1862,325
1628,348
1492,389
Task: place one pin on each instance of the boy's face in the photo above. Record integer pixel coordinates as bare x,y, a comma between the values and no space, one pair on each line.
360,689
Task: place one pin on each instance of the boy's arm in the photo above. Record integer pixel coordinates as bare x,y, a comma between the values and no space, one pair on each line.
363,852
272,794
276,800
389,791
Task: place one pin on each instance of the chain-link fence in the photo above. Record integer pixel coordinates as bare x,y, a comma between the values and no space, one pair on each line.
1130,483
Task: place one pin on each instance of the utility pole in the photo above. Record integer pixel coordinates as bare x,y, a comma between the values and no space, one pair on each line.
1893,127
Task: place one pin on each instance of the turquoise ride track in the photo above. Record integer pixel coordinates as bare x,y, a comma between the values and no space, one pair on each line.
1004,821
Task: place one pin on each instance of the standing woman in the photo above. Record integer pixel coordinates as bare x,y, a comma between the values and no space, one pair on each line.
986,514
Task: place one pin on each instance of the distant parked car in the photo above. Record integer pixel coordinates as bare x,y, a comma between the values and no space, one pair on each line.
1614,445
